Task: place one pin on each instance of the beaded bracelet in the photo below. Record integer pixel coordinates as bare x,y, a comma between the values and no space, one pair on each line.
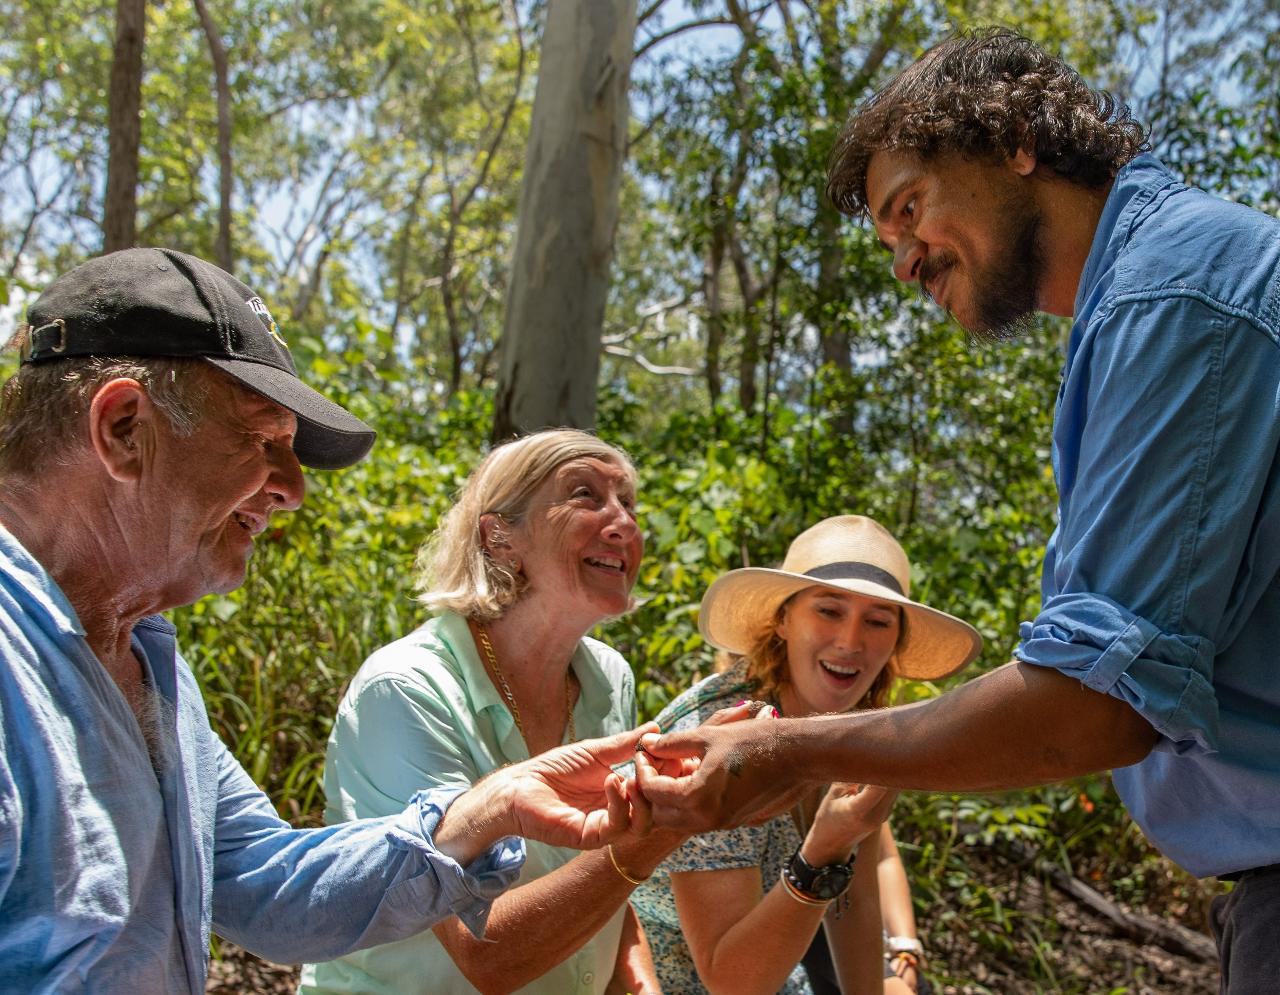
801,897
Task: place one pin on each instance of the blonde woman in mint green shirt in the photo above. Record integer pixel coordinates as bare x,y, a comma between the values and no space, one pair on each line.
541,547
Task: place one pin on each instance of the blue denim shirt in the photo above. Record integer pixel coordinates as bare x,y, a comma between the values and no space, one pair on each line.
111,875
1161,583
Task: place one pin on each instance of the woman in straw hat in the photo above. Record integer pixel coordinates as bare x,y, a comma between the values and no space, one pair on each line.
739,910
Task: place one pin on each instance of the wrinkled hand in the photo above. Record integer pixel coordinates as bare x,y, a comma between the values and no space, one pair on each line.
677,767
719,775
572,797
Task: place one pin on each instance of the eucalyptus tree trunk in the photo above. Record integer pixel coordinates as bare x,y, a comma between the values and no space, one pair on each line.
551,338
124,127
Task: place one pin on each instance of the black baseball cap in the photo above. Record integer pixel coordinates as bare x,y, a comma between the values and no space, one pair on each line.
160,302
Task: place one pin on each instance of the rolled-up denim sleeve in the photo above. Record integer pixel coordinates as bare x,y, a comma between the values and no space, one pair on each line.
314,894
1164,677
1163,441
469,891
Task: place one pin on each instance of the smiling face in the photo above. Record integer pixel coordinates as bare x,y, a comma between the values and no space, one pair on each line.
578,545
967,233
837,644
215,489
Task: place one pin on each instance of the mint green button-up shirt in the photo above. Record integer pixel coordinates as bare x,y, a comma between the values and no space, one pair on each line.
423,712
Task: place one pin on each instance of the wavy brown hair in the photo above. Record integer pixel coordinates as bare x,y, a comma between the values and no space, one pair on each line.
986,95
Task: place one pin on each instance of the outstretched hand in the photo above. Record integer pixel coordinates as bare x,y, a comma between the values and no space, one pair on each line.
572,797
717,776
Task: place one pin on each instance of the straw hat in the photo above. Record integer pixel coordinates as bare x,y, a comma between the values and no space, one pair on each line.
847,553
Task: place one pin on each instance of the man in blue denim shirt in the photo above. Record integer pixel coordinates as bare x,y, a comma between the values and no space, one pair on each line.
154,426
1003,186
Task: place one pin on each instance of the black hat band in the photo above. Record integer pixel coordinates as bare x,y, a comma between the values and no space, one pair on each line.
856,570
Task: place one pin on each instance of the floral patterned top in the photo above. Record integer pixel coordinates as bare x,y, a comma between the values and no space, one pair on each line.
767,847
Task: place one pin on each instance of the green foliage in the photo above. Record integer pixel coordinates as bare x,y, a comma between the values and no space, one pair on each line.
378,150
975,886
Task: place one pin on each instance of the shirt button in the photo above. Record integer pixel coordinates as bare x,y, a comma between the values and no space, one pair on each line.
588,978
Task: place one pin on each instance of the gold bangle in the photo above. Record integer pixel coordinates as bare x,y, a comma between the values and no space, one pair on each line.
799,896
618,867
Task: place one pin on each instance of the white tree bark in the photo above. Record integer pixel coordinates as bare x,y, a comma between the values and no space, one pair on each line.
551,339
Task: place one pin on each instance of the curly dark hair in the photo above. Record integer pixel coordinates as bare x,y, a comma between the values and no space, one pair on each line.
986,94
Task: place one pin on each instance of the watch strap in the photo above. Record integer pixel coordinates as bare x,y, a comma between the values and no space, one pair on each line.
904,945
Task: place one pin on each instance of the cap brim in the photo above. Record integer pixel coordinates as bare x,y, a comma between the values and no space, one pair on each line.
738,604
329,436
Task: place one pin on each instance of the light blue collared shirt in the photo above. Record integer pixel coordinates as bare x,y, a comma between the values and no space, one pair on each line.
112,876
423,710
1161,583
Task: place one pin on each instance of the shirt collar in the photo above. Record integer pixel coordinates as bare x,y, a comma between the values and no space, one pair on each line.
157,638
598,692
1136,186
456,634
22,571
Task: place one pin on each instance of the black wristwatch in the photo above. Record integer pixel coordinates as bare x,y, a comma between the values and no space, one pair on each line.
820,883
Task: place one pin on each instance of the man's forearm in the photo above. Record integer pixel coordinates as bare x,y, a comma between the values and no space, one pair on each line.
476,820
1015,727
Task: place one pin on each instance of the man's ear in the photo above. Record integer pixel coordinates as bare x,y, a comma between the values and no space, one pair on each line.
1023,162
121,426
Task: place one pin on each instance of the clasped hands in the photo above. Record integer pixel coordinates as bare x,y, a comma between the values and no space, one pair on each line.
730,770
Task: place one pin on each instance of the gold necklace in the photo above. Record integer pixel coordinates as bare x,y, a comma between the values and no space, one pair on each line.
505,688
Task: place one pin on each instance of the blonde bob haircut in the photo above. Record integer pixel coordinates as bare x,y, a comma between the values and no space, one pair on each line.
454,570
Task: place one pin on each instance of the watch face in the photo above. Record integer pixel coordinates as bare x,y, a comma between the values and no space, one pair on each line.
831,881
826,883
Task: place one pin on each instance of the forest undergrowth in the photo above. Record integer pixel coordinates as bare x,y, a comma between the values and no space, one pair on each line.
332,582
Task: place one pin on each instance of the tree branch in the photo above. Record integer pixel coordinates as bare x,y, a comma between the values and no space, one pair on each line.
649,367
649,11
679,29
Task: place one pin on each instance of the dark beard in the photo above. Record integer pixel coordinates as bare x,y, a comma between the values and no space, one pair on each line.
1005,293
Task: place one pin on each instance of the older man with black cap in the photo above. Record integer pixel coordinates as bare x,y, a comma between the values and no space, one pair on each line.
155,424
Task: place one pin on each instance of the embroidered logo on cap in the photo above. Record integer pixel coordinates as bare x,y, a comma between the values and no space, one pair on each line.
259,308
